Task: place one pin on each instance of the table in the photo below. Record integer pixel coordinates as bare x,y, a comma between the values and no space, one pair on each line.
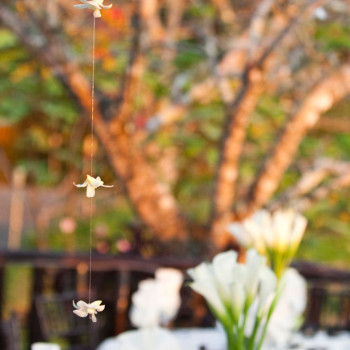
214,339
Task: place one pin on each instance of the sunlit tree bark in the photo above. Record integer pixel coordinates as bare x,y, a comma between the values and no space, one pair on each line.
326,93
253,59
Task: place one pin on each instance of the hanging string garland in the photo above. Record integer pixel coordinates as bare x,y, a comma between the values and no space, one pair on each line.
84,309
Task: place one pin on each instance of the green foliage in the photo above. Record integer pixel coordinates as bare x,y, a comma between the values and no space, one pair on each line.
14,110
200,10
327,238
189,57
58,111
18,301
38,106
333,36
7,39
158,88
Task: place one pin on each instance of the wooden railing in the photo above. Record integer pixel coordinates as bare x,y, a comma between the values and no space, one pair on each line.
61,277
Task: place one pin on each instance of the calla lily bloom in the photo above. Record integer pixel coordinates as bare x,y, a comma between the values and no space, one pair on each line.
95,5
84,309
91,184
238,300
268,284
276,235
237,293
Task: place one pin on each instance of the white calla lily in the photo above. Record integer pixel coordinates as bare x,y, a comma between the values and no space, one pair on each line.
240,234
84,309
254,264
223,268
95,5
205,283
298,229
211,295
281,223
276,235
238,299
91,184
288,312
268,282
202,272
241,295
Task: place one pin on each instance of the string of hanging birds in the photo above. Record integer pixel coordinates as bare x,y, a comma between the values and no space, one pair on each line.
83,309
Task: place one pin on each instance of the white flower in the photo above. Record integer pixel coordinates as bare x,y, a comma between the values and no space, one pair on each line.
85,309
145,310
220,274
91,184
288,228
268,283
157,300
95,5
211,295
275,235
239,294
205,283
279,230
170,277
289,309
171,281
223,267
227,284
238,300
254,265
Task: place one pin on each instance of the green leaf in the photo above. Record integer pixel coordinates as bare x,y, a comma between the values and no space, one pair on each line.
333,36
187,59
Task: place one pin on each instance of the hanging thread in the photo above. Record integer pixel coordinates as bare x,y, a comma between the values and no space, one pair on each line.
83,309
92,149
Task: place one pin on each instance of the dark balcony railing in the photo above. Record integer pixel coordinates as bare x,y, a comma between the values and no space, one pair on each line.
60,278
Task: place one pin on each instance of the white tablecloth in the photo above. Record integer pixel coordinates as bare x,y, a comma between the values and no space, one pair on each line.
214,339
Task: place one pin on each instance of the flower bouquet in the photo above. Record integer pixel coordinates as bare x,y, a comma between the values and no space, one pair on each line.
277,235
237,294
248,297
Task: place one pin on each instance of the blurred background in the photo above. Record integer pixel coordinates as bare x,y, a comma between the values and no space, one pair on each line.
206,110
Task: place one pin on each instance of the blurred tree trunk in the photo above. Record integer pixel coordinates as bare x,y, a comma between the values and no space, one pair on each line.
260,57
232,143
150,198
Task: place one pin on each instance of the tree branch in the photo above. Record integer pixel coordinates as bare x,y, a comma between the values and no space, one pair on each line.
311,180
323,191
149,12
151,198
309,7
134,69
337,125
225,9
231,149
328,92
